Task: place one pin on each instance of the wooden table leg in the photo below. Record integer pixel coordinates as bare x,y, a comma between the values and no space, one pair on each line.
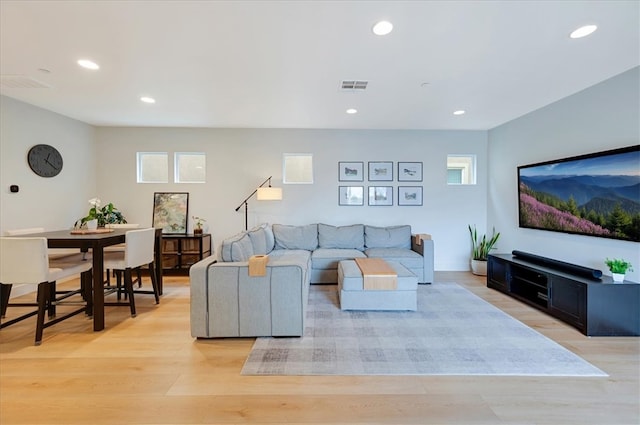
98,290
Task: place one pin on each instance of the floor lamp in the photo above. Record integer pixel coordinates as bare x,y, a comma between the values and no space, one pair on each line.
263,194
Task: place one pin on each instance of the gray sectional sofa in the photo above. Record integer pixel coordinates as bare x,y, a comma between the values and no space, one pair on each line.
227,302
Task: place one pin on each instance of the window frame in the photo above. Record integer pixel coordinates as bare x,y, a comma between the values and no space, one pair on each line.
140,168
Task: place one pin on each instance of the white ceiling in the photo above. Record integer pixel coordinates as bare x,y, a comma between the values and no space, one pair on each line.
278,64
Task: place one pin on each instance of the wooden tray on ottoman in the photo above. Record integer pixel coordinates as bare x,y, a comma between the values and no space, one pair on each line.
377,274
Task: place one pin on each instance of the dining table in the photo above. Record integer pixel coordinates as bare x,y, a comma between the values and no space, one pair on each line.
96,242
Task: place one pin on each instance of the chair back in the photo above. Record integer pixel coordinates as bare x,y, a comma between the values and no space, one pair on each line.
27,231
139,246
23,260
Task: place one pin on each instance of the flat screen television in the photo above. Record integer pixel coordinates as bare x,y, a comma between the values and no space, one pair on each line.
596,194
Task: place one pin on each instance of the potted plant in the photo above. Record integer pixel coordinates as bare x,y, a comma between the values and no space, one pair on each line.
480,250
618,268
100,216
197,225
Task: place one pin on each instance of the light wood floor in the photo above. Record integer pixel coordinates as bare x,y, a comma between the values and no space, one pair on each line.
148,370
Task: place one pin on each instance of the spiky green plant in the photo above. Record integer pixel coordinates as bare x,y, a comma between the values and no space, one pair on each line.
481,248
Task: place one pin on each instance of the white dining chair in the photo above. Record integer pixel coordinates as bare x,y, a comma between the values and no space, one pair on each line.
138,252
24,260
120,248
54,253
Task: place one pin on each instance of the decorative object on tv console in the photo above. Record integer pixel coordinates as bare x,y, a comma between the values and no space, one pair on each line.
618,268
170,211
480,249
596,194
268,193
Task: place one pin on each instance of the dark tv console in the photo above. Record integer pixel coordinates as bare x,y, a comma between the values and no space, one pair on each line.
594,305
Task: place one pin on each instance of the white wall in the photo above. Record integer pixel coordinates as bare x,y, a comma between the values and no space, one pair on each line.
101,162
53,203
602,117
240,159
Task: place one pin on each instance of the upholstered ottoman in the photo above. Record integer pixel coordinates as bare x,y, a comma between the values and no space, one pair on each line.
354,297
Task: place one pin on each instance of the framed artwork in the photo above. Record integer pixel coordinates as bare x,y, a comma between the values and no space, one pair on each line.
409,171
380,195
351,171
350,195
409,195
380,171
170,211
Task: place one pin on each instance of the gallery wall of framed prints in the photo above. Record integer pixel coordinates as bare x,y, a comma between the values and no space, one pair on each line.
380,190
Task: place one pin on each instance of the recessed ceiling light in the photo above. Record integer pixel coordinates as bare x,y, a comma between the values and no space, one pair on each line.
459,112
382,28
352,111
583,31
88,64
147,99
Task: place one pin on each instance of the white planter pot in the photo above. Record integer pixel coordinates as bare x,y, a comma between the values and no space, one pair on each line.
618,277
92,224
479,267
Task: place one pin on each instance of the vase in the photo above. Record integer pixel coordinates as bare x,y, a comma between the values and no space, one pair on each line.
618,277
479,267
92,224
197,231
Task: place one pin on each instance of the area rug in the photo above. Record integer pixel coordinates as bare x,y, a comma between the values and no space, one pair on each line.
454,332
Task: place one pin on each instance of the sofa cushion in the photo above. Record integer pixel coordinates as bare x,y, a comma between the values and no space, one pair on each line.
261,239
287,257
280,257
341,237
328,258
296,237
406,257
387,237
270,239
237,248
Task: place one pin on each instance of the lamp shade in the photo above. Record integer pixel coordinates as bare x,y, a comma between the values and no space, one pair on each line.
269,194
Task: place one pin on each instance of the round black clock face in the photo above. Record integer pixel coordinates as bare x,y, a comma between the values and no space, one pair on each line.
45,160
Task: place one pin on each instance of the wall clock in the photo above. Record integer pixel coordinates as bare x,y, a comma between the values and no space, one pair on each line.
45,160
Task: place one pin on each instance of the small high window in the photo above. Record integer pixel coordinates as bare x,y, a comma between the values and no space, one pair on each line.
461,169
190,167
152,167
297,168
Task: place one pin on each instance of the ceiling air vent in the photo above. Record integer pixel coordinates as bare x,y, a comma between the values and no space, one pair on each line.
21,82
354,85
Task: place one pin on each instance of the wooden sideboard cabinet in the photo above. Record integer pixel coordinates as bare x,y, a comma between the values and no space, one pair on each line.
180,252
596,307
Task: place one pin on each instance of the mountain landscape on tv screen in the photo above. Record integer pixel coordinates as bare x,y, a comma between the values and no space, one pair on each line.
599,205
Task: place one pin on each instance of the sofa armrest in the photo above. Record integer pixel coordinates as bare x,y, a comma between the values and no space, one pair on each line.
199,294
227,302
423,245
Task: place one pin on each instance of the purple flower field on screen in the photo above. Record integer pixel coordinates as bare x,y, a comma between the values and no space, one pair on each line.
539,215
